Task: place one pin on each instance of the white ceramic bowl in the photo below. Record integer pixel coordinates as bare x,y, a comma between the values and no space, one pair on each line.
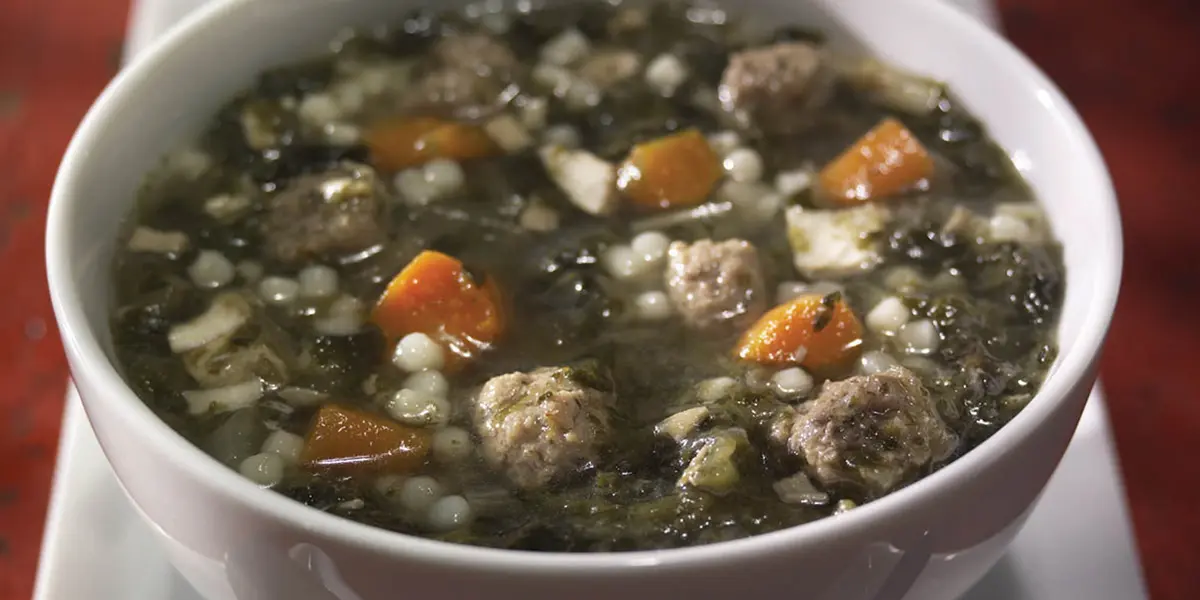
232,540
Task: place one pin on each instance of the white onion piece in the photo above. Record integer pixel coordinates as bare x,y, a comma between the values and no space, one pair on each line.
298,396
227,313
154,241
224,399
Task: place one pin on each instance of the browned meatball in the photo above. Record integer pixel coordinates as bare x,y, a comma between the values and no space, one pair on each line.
326,216
467,78
775,84
713,284
543,425
874,432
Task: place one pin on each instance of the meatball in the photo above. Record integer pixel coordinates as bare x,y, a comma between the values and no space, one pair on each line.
874,432
327,215
775,84
713,284
540,426
467,78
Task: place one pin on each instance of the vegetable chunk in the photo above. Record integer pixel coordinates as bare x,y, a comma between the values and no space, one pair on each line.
408,142
886,161
435,295
820,333
676,171
350,440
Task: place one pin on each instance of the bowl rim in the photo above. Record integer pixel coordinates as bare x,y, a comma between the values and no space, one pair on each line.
81,343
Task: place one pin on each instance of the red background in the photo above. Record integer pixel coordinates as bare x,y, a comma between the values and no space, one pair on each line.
1130,67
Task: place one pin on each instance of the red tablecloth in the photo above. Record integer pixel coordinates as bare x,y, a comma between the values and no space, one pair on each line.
1130,67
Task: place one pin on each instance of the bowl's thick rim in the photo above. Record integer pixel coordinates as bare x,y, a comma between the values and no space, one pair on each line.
82,344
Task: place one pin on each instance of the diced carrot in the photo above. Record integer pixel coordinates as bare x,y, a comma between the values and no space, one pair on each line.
819,333
411,141
676,171
436,296
350,440
884,162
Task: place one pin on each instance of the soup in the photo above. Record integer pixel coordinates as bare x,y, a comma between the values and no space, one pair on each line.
590,278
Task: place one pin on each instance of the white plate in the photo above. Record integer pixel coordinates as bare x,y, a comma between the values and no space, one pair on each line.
1076,544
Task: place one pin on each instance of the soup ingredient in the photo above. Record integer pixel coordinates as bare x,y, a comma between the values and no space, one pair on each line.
798,489
715,284
714,468
211,270
265,469
145,239
872,432
466,77
588,181
449,513
683,423
224,399
606,68
774,87
405,142
435,295
819,333
227,313
835,243
349,440
544,425
675,171
887,161
326,216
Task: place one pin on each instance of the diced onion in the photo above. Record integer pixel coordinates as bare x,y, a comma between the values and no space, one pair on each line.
225,315
265,469
792,383
428,382
145,239
887,316
284,443
224,399
666,73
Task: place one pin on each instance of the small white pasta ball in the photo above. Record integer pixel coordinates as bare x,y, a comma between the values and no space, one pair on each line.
265,469
919,337
444,176
417,408
533,113
724,142
875,362
319,109
211,270
278,290
792,383
561,135
419,493
389,486
417,352
665,73
566,48
428,382
285,444
318,281
449,513
621,262
582,94
414,188
744,165
250,270
650,246
451,445
653,306
539,217
887,316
